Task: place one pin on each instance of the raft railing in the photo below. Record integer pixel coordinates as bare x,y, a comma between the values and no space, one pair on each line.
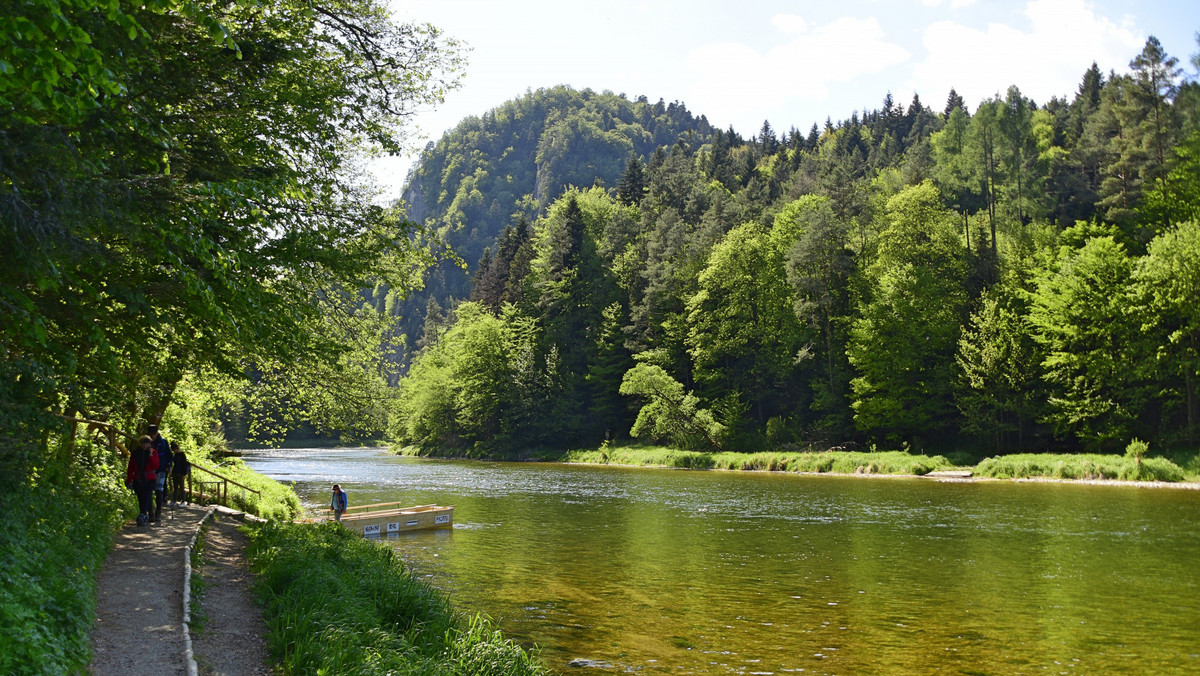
381,507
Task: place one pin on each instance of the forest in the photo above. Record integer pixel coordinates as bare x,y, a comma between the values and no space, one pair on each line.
1008,276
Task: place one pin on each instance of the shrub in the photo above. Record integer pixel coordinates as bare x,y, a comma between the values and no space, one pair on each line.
58,525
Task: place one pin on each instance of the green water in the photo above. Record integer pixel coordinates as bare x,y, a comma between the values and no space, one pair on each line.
659,571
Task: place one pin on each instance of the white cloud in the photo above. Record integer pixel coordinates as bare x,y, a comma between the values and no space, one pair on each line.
1063,39
732,78
789,23
954,4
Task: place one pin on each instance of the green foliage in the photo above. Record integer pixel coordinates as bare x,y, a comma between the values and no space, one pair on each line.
903,345
1167,284
1081,319
58,527
819,267
743,335
1177,198
161,235
1136,450
1000,280
668,413
999,368
518,159
325,616
481,383
1081,466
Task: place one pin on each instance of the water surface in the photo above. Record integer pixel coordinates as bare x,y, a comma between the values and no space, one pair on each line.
666,571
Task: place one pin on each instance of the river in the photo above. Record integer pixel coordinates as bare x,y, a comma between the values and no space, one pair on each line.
611,569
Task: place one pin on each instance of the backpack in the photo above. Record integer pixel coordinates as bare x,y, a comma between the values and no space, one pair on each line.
140,461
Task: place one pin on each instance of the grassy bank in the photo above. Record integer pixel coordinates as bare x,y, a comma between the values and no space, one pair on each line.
273,500
1179,467
326,615
832,462
60,516
1085,466
836,462
57,528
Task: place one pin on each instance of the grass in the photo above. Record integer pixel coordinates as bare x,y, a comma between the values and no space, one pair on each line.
57,528
199,617
1083,466
274,499
1188,461
1176,467
835,462
336,603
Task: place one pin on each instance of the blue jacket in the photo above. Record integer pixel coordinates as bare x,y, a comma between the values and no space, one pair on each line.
165,456
340,502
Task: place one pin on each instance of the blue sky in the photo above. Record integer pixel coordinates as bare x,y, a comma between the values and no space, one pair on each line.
791,63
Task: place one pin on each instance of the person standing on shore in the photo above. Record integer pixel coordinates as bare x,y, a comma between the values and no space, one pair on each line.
141,475
340,503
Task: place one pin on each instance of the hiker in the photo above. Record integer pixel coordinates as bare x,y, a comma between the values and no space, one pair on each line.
140,475
339,503
164,468
180,469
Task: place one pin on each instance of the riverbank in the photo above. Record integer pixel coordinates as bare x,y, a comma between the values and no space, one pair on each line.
280,596
1044,467
324,615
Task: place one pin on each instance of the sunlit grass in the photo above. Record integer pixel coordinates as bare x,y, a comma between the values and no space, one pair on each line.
336,603
274,500
1083,466
835,462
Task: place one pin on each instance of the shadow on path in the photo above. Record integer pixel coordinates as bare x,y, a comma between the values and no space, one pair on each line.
139,614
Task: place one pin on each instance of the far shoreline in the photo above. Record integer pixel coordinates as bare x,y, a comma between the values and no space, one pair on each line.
943,473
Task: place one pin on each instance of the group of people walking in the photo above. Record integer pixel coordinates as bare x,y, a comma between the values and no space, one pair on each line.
150,466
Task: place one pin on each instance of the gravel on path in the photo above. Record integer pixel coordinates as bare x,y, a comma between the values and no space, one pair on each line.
230,640
139,614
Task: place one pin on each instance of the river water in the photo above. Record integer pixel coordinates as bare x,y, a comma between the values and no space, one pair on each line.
612,570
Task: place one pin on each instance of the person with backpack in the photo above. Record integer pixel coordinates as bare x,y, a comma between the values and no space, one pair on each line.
180,468
340,503
141,475
164,468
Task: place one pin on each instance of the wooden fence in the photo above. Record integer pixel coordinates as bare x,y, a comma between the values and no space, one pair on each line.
214,487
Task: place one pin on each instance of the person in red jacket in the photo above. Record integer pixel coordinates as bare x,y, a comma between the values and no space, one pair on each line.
141,476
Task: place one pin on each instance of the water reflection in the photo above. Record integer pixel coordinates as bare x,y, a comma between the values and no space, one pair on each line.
706,572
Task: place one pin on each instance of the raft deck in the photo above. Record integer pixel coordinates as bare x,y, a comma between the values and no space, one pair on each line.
385,518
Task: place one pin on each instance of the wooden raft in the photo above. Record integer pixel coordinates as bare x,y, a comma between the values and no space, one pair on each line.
385,518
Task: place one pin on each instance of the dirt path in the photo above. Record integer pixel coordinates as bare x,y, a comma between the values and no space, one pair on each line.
139,614
229,639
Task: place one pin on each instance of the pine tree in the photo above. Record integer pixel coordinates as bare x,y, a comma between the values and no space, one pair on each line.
954,101
632,186
1155,74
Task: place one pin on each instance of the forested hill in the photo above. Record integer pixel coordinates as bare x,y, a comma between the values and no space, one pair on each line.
1009,274
512,161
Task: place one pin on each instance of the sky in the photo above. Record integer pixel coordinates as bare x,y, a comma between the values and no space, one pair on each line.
789,63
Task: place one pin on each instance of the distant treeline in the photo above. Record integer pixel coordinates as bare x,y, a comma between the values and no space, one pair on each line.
1023,276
